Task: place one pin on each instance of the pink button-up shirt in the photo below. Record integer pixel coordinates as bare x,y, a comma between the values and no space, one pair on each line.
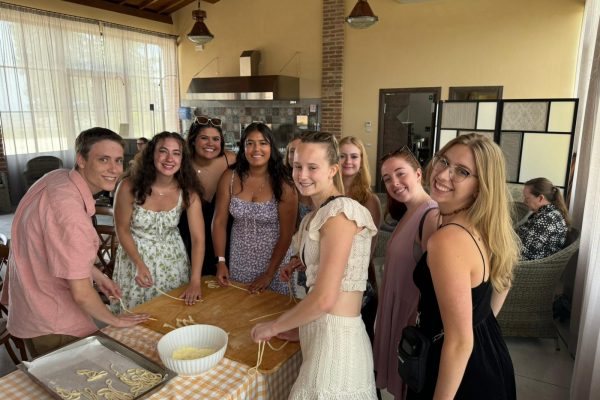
52,240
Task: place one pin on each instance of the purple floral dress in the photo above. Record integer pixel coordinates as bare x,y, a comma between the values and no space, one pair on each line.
254,234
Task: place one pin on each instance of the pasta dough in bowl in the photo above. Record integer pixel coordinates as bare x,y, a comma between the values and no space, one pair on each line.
193,349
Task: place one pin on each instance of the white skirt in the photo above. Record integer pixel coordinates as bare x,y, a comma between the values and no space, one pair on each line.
337,360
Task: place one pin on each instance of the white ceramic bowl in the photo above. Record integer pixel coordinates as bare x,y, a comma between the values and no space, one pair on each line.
200,336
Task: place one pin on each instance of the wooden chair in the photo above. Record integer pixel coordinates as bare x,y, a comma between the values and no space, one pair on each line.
107,251
5,337
527,311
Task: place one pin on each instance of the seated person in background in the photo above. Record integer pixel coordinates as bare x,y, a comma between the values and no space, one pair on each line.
545,232
141,143
48,287
151,255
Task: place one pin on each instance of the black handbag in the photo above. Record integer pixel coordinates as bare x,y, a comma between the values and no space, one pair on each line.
413,350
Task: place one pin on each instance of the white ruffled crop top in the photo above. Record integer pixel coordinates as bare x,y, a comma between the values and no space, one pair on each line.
306,242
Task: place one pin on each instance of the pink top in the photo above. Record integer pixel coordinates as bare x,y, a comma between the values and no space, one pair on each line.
398,301
52,240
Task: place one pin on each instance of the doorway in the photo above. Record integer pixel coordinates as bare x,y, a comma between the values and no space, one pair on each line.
407,118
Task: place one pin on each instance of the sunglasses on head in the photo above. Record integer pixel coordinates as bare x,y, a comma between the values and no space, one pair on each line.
404,150
204,120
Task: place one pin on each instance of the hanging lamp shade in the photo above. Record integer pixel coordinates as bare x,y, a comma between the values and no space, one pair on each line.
361,16
200,33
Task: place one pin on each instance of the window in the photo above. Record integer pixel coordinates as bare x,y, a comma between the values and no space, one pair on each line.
78,74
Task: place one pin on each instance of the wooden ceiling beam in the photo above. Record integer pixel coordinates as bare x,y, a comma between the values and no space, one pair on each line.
174,6
135,12
146,4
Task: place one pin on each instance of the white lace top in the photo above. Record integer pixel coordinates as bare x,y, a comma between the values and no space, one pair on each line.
306,242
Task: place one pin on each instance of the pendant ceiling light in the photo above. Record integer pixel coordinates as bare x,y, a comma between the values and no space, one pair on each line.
361,16
200,33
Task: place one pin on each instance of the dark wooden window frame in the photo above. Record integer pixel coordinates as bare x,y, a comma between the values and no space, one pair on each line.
454,90
437,94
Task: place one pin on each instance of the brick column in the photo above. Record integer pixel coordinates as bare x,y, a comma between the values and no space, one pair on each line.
332,83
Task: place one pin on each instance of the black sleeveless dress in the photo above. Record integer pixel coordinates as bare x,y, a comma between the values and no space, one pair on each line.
489,373
209,265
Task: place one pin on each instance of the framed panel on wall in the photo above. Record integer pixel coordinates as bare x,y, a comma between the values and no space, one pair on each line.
536,135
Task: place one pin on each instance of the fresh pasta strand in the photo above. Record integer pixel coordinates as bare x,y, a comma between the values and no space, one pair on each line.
89,394
168,295
68,394
291,292
277,348
261,352
138,379
126,310
110,393
91,375
215,285
268,315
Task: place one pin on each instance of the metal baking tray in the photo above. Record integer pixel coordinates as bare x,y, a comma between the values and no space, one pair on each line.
97,352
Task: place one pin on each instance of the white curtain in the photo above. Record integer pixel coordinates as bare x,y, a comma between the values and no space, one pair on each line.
60,75
586,375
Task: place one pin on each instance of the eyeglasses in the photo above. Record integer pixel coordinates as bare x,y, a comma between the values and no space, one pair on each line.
458,173
404,150
204,120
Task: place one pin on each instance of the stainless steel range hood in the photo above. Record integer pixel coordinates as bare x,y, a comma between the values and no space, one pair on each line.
248,87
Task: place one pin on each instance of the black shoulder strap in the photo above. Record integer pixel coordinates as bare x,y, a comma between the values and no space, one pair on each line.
330,199
472,237
423,221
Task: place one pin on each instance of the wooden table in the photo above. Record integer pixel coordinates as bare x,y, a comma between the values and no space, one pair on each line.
230,309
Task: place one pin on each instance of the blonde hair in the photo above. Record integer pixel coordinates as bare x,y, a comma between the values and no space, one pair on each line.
360,188
490,212
333,153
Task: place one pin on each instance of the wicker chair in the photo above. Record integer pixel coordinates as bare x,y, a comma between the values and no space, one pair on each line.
39,166
519,213
527,311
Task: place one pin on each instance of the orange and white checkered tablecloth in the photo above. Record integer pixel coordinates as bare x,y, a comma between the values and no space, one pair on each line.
228,380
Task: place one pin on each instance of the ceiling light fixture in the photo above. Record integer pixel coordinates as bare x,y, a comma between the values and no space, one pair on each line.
200,33
361,16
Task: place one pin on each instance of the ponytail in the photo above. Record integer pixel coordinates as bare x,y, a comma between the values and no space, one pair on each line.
559,202
542,186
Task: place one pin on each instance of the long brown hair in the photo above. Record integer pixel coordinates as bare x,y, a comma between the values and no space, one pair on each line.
143,171
542,186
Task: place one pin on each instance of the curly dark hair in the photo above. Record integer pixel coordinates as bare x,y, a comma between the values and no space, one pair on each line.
143,171
196,129
278,173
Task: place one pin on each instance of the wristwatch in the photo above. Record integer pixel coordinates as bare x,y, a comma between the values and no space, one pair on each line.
220,259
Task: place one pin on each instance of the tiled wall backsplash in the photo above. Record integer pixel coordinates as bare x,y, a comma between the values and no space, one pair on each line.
281,115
